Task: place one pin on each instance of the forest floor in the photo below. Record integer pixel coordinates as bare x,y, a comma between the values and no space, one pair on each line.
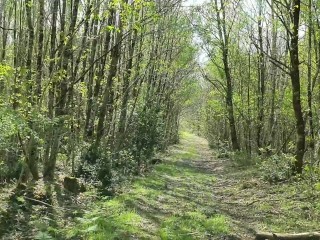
191,194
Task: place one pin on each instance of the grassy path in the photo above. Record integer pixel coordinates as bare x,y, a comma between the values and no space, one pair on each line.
175,201
195,195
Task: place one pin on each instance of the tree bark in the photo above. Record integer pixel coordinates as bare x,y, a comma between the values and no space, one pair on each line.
295,81
40,50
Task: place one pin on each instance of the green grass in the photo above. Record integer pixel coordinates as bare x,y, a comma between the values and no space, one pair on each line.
186,135
181,199
108,220
172,202
192,225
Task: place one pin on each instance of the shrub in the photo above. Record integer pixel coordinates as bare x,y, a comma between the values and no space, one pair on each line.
277,168
107,167
243,158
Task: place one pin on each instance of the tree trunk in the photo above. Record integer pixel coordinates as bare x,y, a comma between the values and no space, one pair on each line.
32,159
92,104
40,50
125,91
61,109
310,112
89,128
225,55
51,71
295,81
273,78
108,96
261,80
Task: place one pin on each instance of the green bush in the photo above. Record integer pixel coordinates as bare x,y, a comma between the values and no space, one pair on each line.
10,169
107,167
111,166
148,134
243,158
11,124
277,168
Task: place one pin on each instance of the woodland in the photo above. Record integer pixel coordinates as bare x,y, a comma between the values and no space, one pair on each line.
159,119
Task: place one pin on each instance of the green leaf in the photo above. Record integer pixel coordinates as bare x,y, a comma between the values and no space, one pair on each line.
21,199
317,186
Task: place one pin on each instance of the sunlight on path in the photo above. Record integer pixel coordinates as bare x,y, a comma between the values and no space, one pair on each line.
173,202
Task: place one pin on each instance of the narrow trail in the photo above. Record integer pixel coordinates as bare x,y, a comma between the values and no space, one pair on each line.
209,190
193,194
187,182
182,198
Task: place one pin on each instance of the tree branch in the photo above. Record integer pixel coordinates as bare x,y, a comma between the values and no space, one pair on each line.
285,68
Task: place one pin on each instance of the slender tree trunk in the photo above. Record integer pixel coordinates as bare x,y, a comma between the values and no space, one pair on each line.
273,78
92,105
225,58
310,112
52,84
261,80
89,125
32,158
295,81
61,109
52,57
108,96
249,146
126,91
5,22
40,50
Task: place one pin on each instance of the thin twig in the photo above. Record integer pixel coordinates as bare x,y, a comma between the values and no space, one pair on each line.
38,201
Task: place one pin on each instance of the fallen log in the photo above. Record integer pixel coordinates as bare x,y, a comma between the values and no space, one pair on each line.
287,236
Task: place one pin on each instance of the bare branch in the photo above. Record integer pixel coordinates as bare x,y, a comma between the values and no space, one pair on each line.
285,68
280,16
